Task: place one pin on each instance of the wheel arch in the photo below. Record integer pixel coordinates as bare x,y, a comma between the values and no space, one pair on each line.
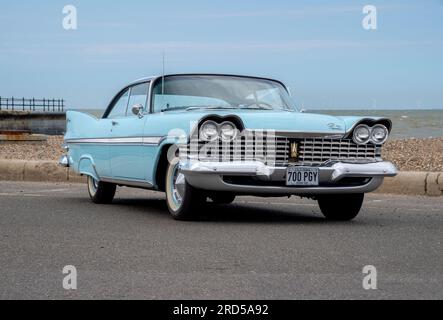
86,166
161,166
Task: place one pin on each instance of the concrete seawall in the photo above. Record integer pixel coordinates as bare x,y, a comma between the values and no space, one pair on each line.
51,123
48,171
414,183
408,183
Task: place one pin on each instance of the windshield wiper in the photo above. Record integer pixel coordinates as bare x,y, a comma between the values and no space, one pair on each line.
210,107
174,108
189,108
258,106
263,106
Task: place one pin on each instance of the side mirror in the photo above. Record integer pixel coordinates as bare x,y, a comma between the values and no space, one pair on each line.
137,110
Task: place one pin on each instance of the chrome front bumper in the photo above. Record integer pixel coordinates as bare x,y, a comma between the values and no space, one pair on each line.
210,176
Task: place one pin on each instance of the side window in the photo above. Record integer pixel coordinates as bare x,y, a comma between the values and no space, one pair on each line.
120,106
139,94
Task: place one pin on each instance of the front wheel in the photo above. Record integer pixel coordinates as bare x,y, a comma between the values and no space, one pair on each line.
340,207
222,198
183,200
99,191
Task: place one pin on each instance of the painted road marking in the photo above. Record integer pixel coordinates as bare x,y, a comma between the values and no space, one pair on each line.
55,190
21,195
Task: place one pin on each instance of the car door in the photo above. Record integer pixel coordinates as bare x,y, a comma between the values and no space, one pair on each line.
126,136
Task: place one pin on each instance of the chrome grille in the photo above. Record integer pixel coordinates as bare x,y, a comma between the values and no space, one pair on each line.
311,151
271,152
315,151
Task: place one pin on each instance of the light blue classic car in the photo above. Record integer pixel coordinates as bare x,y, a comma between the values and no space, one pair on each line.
207,136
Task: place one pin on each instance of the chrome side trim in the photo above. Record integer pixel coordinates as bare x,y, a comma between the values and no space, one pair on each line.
128,182
154,140
134,140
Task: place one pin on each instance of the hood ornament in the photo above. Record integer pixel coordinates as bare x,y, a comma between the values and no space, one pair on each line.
294,150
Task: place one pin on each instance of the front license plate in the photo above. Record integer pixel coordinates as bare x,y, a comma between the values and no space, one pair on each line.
300,176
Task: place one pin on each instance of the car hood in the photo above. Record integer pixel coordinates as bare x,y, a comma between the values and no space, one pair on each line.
299,122
293,121
280,121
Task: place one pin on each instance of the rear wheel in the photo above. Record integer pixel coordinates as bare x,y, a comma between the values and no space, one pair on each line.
183,200
100,192
340,207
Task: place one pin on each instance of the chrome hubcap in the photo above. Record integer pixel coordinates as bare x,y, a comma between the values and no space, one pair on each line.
95,182
178,186
93,185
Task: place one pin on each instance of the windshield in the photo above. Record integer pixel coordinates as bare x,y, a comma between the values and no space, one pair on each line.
191,92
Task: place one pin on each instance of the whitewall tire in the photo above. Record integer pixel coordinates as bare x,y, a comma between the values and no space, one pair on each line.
183,200
100,192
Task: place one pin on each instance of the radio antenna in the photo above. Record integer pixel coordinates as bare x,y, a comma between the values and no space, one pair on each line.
163,74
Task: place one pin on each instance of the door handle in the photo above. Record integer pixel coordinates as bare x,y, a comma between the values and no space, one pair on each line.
114,123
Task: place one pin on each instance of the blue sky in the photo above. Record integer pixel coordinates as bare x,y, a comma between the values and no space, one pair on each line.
318,48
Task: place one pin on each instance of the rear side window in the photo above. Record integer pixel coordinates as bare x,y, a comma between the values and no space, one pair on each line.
138,95
120,106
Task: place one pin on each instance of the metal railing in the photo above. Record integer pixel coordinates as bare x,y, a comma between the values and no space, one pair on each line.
22,104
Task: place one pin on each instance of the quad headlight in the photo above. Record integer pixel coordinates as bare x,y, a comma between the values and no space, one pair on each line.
228,131
362,134
377,134
211,131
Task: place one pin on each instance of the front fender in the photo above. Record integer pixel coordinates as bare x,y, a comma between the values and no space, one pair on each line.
352,121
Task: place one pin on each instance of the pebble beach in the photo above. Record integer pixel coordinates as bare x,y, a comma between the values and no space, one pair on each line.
412,154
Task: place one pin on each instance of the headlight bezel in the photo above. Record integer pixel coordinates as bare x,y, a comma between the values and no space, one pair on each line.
219,128
234,128
358,140
371,130
386,131
204,136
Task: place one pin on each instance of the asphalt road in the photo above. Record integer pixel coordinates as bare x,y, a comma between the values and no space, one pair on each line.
256,248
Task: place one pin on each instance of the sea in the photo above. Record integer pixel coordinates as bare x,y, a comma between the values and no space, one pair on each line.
406,123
